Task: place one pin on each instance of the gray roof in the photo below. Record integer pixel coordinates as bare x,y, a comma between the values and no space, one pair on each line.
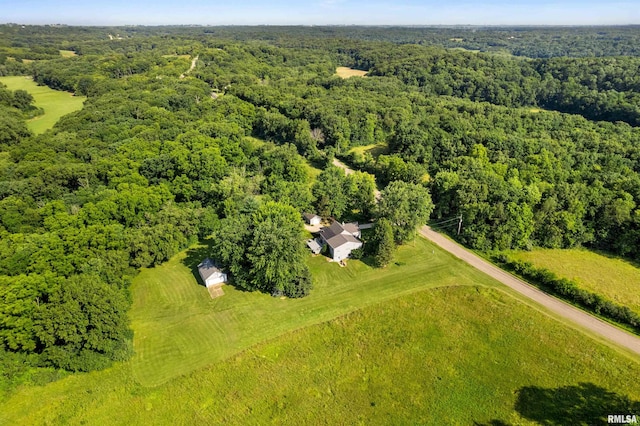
339,240
331,231
352,227
207,268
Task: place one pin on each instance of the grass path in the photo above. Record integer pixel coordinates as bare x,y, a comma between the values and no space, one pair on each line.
55,103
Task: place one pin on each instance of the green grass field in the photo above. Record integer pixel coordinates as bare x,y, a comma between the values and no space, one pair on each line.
456,355
612,277
55,103
375,149
179,328
67,53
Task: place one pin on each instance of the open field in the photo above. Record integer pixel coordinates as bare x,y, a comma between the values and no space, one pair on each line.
55,103
179,328
375,149
459,355
615,278
67,53
345,72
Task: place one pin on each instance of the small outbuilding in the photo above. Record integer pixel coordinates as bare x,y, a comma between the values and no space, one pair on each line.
212,277
311,219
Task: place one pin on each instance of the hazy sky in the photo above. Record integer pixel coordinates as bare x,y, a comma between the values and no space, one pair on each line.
318,12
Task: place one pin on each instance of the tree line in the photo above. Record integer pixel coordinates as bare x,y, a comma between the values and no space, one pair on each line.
153,163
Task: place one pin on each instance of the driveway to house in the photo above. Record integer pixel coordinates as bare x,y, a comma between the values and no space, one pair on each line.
191,68
575,315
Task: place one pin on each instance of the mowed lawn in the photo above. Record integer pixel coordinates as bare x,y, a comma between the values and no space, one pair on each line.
179,328
456,355
54,102
345,72
612,277
68,53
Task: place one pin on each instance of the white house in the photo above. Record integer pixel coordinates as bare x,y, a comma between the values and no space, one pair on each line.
341,239
312,219
212,277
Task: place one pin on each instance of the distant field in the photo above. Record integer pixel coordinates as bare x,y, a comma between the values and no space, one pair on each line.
460,355
179,328
612,277
67,53
345,72
55,103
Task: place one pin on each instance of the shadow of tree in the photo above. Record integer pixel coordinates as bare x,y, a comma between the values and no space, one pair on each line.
196,255
584,404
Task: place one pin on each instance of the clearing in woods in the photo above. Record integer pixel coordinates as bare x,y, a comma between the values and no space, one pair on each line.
614,278
55,103
67,53
345,72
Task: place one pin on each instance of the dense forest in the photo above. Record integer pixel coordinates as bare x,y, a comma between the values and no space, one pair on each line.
531,152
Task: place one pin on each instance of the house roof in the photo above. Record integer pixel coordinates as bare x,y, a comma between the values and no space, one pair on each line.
341,239
352,227
331,231
208,268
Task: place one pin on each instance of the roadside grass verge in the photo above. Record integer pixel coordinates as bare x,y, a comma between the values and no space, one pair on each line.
179,328
613,277
54,102
456,355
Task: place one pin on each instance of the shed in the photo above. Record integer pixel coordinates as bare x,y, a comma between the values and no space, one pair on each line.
212,277
312,219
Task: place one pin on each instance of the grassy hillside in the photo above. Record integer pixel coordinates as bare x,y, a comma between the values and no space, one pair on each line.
55,103
454,355
612,277
179,328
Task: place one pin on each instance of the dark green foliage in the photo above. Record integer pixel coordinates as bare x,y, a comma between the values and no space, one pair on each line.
264,250
330,192
406,206
152,161
383,243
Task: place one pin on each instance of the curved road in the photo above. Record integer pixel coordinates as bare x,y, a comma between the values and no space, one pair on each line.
575,315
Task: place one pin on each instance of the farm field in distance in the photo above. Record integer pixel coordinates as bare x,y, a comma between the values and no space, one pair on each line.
615,278
54,102
455,355
346,72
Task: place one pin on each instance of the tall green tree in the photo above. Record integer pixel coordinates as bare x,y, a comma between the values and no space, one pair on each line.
330,194
406,206
276,251
383,241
